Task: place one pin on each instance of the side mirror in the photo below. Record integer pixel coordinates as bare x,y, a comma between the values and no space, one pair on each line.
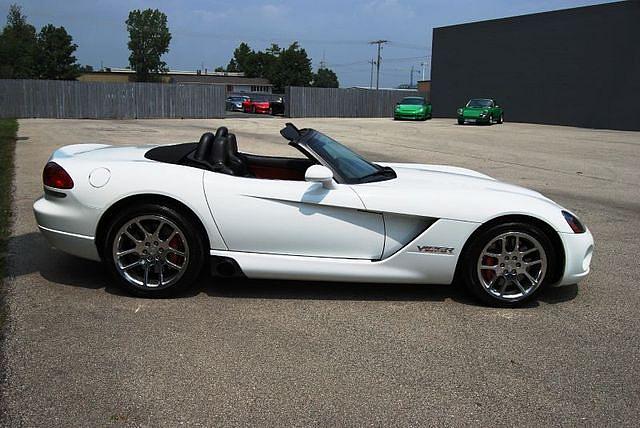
320,174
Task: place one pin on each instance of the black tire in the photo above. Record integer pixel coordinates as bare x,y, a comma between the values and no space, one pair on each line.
460,121
469,262
501,118
192,263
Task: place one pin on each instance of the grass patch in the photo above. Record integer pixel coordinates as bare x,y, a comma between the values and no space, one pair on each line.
8,132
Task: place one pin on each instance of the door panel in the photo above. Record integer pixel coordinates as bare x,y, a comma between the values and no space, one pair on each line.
293,217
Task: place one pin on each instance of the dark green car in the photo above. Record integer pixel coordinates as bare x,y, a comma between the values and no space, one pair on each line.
416,108
481,110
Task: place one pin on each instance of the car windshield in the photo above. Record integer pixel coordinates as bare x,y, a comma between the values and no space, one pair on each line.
236,99
413,101
479,103
350,166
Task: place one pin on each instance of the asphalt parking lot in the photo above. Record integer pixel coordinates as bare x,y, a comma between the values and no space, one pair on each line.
273,353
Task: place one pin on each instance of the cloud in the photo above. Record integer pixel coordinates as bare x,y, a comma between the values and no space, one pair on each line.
273,11
389,7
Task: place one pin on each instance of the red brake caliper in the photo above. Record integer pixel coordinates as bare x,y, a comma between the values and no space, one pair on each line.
486,273
176,244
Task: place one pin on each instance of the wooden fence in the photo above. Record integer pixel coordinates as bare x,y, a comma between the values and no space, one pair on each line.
337,102
95,100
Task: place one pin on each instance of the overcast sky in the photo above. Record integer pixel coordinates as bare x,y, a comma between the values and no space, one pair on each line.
205,32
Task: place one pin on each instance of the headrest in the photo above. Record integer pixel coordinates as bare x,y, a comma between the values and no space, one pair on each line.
220,151
204,146
222,132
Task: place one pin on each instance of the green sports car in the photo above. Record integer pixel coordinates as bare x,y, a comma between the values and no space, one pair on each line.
412,108
481,110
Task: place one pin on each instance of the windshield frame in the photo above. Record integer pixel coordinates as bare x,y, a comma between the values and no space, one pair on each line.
421,101
380,172
491,102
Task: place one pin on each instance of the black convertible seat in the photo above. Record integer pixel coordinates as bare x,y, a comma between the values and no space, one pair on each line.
219,157
218,153
237,162
222,132
205,145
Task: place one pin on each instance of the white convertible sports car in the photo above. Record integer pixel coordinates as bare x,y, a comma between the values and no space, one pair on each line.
156,216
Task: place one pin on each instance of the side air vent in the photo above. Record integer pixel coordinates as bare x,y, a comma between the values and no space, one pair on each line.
402,229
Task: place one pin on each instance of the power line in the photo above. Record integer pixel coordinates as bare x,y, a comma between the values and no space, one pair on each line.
349,64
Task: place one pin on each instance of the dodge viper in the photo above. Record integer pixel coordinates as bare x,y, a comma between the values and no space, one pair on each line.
412,108
256,105
157,215
481,110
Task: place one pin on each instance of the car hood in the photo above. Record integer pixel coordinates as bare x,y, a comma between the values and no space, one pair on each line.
473,111
409,107
455,193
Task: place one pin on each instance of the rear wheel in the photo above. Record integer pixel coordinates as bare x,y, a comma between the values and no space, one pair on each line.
501,118
460,121
507,264
153,250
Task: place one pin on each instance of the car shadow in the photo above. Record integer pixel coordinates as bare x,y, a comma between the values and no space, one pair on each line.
30,254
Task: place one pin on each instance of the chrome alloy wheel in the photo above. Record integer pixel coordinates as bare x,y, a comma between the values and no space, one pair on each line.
512,266
151,252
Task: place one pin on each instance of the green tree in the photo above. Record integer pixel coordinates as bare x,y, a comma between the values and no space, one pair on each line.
55,54
241,56
282,67
18,46
219,69
261,64
149,39
233,66
325,78
293,68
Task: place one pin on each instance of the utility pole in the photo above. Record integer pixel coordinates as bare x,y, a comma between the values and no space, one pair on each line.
372,62
379,43
411,78
323,63
424,69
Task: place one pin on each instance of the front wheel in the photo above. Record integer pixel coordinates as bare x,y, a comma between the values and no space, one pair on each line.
507,265
460,121
153,250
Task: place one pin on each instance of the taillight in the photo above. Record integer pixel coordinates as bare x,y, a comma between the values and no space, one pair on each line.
55,176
